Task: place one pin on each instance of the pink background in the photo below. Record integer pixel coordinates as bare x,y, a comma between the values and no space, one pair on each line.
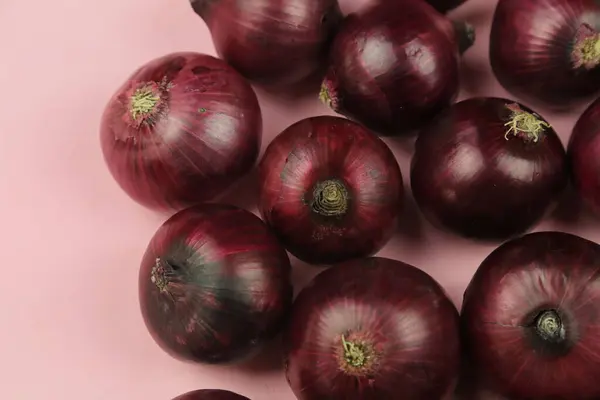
70,323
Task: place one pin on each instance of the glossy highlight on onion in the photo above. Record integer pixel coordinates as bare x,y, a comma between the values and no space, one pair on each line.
272,42
488,168
372,328
584,156
530,318
330,190
214,285
395,65
547,52
181,130
210,394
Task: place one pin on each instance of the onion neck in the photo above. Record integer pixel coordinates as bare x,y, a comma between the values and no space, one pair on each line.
328,95
146,102
549,326
524,125
586,49
160,273
356,357
465,35
330,198
202,7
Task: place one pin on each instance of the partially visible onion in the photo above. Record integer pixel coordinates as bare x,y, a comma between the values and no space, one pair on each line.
214,284
181,130
584,156
488,168
330,189
375,329
530,318
395,65
445,5
272,42
547,52
210,394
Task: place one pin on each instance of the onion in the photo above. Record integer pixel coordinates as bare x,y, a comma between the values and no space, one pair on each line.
445,5
330,189
547,51
583,149
488,168
530,318
373,328
394,66
214,284
181,130
272,42
210,394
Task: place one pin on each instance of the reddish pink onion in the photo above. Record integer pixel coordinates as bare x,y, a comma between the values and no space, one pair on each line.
272,42
395,66
547,52
181,130
330,189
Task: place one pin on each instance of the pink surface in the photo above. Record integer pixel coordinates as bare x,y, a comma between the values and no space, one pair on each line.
71,327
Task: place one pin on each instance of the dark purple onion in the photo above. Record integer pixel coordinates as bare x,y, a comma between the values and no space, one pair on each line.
214,284
547,52
530,318
373,328
488,168
181,130
210,394
272,42
395,66
584,156
330,189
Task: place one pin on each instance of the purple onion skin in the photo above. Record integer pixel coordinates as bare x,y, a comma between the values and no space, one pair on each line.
533,50
584,160
444,6
302,161
214,285
272,42
548,280
201,136
408,328
394,66
471,177
210,394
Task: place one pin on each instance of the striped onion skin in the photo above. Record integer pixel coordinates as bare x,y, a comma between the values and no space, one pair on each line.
181,130
547,52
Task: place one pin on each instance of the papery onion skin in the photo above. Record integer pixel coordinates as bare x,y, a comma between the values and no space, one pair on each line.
395,66
533,50
321,156
272,42
210,394
214,285
444,6
181,130
474,175
393,314
584,159
545,279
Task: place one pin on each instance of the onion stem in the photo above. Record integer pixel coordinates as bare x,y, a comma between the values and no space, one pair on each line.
143,102
356,355
549,326
524,124
158,276
330,198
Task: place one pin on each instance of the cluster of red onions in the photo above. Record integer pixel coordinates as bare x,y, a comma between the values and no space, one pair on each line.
330,189
395,65
547,51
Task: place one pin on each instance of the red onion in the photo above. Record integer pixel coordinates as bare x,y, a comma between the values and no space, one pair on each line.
330,189
547,51
394,66
583,151
214,284
272,42
530,318
445,5
372,329
488,168
210,394
181,130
